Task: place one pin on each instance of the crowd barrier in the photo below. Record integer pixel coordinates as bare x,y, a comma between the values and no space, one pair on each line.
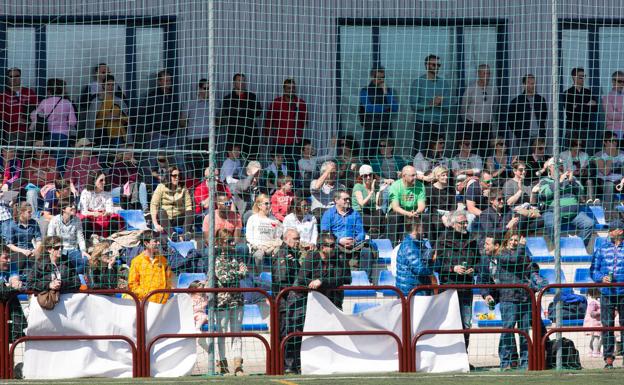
274,345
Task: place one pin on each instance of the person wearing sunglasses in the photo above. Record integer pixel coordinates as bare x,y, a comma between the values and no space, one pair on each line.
262,232
323,271
228,219
431,100
171,205
613,104
69,227
53,270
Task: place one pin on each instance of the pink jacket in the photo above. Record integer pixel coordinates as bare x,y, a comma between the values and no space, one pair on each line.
592,316
614,111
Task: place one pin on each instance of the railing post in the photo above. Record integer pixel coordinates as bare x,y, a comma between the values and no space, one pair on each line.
4,341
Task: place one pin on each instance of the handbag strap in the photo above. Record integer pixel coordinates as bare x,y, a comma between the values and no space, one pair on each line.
53,108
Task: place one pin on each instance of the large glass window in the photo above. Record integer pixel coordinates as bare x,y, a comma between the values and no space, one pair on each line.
574,53
149,57
479,48
611,43
21,54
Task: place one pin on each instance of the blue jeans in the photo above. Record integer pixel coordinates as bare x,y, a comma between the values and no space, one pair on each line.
465,312
75,257
514,314
609,304
584,224
59,140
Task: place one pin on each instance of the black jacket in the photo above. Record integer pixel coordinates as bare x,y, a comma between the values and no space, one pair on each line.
16,314
519,115
454,248
511,267
160,114
103,277
284,268
41,275
333,273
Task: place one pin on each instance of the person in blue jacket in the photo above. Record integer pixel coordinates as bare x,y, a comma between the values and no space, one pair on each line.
414,264
608,266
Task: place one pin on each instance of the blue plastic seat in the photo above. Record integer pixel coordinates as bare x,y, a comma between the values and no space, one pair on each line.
549,275
185,279
581,275
384,248
264,281
386,278
572,322
182,248
252,319
360,307
480,307
134,219
537,249
598,215
573,250
359,278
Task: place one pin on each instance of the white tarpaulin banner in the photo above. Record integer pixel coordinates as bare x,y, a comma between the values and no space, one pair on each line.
367,354
84,314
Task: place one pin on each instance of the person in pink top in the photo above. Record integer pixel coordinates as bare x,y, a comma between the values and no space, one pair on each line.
592,319
614,105
78,167
283,197
61,119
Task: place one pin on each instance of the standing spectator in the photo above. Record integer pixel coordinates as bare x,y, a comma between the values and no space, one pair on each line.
239,111
414,260
231,169
324,271
387,164
377,104
407,200
11,169
323,189
613,104
96,206
366,199
227,219
263,232
16,103
230,269
458,259
534,161
305,223
149,270
171,205
78,168
499,164
431,99
466,163
570,191
346,225
198,131
527,116
286,119
608,267
479,106
9,284
431,157
68,227
22,236
109,120
580,105
592,319
160,119
576,160
610,170
57,110
96,88
282,199
53,270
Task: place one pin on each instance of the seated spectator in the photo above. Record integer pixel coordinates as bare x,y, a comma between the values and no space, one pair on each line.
308,164
407,200
201,193
387,164
347,163
11,282
171,206
149,270
414,260
499,218
232,169
53,270
465,163
305,223
570,191
63,189
475,194
515,191
68,227
230,269
127,182
39,172
534,161
323,189
263,232
22,236
366,199
441,200
247,189
96,206
609,165
78,168
124,166
499,164
346,225
425,161
156,170
577,161
276,170
11,168
283,198
102,271
226,218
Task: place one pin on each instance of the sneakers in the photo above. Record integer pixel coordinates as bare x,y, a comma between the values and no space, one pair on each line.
608,363
596,354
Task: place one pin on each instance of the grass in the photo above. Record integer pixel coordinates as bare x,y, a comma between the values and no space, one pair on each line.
513,378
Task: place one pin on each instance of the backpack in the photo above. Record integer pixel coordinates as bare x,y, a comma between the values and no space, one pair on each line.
569,354
573,307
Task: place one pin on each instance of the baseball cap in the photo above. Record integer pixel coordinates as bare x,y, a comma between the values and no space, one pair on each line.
365,170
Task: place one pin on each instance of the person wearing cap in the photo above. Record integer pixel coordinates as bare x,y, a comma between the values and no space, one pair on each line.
78,168
149,270
607,266
366,198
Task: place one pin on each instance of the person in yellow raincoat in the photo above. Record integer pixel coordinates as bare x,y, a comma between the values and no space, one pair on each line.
149,270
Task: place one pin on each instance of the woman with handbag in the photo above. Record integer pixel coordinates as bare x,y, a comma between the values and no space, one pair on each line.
54,119
53,272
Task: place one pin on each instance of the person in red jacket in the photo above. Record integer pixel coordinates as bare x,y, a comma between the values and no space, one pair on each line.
286,120
283,197
16,103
